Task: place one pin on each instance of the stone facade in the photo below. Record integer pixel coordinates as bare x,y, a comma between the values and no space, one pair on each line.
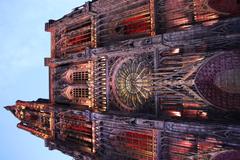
142,79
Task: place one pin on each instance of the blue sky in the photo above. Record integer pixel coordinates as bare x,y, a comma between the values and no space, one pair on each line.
24,44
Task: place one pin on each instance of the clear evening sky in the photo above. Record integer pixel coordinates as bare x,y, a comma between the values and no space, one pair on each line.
24,44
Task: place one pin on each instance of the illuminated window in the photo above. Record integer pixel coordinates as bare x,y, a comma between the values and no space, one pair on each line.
80,77
80,93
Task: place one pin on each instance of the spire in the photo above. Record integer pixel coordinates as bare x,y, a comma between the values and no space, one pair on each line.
34,117
11,109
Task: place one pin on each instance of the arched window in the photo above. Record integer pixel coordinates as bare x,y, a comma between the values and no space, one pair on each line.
79,77
80,92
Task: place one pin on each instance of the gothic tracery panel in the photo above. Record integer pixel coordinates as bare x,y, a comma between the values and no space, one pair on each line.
218,81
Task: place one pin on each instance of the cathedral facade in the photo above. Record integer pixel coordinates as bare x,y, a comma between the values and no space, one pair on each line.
142,80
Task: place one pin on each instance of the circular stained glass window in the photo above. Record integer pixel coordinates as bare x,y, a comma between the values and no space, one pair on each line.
132,83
